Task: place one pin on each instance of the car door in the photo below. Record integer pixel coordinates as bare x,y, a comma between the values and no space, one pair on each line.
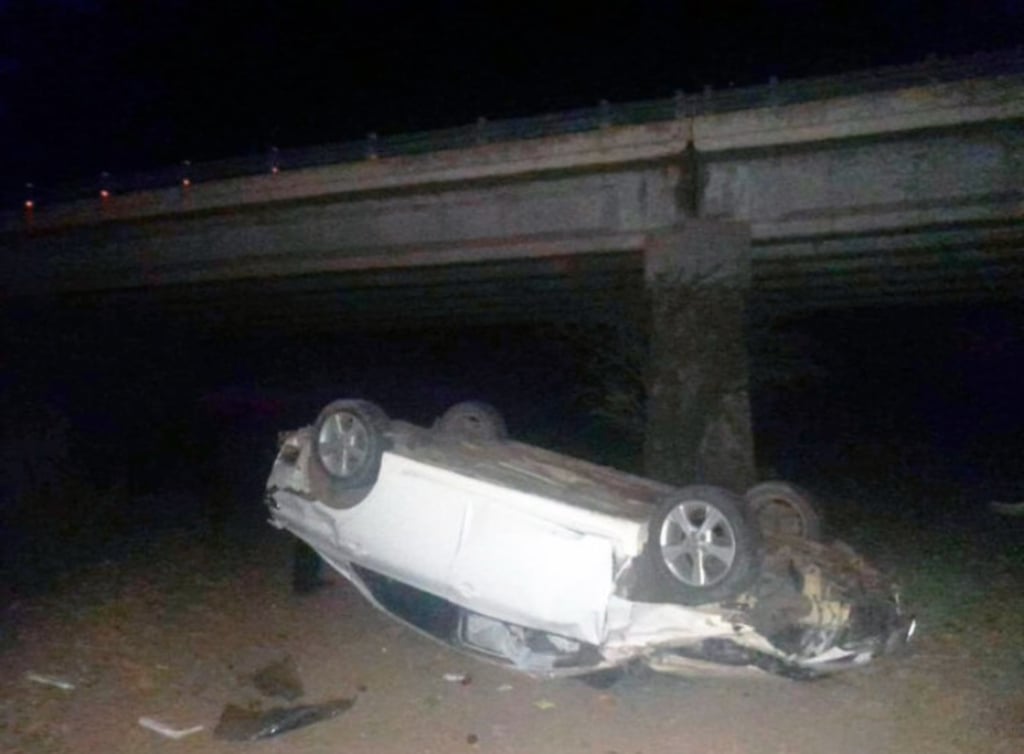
516,564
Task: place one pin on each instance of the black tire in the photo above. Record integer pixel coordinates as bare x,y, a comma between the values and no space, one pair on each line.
702,547
782,508
473,420
348,443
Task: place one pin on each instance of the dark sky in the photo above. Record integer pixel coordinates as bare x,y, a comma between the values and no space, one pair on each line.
91,85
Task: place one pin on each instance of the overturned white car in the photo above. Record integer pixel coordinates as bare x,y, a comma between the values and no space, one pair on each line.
557,566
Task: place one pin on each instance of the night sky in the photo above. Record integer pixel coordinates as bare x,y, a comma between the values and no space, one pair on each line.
925,395
89,86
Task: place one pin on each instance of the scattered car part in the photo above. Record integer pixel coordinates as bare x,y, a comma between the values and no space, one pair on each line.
242,724
50,680
1007,509
168,731
279,679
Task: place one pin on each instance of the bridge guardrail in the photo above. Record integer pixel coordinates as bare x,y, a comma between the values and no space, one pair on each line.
567,122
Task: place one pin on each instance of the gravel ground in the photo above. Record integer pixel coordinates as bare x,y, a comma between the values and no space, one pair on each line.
175,630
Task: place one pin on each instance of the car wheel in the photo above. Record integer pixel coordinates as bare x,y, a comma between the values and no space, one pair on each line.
473,420
784,509
701,547
348,442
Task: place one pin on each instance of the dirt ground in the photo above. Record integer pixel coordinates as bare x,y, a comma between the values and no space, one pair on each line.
173,630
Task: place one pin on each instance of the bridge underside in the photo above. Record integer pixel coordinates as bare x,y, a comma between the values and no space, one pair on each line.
899,269
705,433
577,288
920,267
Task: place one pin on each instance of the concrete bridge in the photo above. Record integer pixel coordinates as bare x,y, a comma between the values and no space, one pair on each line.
892,186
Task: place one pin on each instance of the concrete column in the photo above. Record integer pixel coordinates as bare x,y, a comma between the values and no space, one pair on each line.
698,403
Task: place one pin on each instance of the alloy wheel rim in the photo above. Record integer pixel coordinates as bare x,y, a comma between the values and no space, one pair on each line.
697,543
343,444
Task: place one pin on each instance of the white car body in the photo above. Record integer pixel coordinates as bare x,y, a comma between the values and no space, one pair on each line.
523,542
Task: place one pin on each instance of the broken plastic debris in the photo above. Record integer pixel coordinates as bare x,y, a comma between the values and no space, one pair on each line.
544,704
166,730
240,724
49,680
464,678
1007,509
279,679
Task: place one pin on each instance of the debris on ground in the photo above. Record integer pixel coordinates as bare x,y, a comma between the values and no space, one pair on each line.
241,724
544,704
464,678
49,680
279,679
166,730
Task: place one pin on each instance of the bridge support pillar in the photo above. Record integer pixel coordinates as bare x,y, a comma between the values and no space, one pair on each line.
699,425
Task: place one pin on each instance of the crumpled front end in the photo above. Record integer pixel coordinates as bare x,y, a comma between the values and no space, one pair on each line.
839,609
815,609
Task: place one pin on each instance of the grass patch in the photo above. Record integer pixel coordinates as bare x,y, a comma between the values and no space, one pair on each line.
960,567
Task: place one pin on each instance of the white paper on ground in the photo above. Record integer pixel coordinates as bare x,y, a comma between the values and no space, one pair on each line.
166,730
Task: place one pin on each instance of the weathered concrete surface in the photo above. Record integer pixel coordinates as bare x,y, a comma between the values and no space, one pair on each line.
824,185
698,412
556,216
